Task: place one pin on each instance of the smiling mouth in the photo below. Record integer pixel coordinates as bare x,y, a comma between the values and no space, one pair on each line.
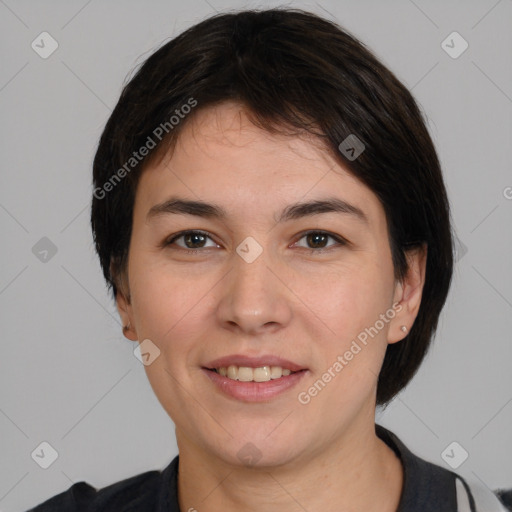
249,374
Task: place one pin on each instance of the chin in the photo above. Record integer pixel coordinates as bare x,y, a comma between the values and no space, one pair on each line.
260,452
249,456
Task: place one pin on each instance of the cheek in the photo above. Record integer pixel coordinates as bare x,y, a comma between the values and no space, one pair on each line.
348,300
171,307
350,304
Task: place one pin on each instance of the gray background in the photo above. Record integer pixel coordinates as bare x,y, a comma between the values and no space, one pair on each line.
70,378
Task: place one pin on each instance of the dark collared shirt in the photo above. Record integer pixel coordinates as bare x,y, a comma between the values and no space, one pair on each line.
426,488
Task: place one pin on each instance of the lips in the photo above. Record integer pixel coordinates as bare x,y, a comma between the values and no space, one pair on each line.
240,377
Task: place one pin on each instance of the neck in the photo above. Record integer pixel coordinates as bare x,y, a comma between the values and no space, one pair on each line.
358,472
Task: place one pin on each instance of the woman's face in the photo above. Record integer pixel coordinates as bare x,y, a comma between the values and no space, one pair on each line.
259,292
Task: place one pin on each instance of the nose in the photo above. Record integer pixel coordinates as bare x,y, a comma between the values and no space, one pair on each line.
254,297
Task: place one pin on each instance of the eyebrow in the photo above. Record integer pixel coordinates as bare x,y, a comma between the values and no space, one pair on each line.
294,211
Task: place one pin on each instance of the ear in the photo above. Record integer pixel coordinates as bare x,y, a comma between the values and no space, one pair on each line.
123,304
408,293
125,312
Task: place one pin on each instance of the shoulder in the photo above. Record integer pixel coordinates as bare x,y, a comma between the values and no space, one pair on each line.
138,493
474,495
432,488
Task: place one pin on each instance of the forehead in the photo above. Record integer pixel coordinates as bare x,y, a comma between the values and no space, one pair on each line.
221,155
226,130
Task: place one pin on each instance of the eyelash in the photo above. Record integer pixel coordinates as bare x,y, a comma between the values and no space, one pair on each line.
340,240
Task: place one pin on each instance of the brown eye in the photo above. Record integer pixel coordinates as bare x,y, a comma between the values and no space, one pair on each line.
318,240
192,240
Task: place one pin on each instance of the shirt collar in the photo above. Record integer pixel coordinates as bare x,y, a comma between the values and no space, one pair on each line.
426,486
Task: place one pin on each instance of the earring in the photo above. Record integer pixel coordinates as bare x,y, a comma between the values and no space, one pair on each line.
403,328
127,327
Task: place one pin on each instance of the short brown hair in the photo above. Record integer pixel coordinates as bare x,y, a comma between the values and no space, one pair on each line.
291,69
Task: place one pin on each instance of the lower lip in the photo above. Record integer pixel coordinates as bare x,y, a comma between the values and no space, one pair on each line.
254,391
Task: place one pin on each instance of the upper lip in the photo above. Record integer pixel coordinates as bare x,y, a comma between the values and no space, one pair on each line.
253,362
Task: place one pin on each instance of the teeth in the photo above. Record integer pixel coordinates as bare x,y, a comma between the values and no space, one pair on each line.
261,374
247,374
233,372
